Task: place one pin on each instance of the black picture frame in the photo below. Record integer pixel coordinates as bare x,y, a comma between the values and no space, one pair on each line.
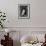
23,11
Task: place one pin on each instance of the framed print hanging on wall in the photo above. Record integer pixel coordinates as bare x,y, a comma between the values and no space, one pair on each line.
24,11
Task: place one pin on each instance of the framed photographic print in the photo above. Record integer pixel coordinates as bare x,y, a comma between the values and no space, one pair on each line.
24,11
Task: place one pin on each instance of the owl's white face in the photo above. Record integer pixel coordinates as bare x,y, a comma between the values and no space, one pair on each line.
23,12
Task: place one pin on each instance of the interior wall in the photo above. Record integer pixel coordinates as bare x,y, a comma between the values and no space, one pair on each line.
37,13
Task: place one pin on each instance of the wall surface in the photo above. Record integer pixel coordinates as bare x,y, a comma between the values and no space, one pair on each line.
37,13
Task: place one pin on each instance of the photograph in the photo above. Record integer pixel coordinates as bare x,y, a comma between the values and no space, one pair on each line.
24,11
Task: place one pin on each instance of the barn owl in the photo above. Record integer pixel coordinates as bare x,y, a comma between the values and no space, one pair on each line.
23,12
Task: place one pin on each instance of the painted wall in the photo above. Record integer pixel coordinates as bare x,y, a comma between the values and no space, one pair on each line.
37,13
